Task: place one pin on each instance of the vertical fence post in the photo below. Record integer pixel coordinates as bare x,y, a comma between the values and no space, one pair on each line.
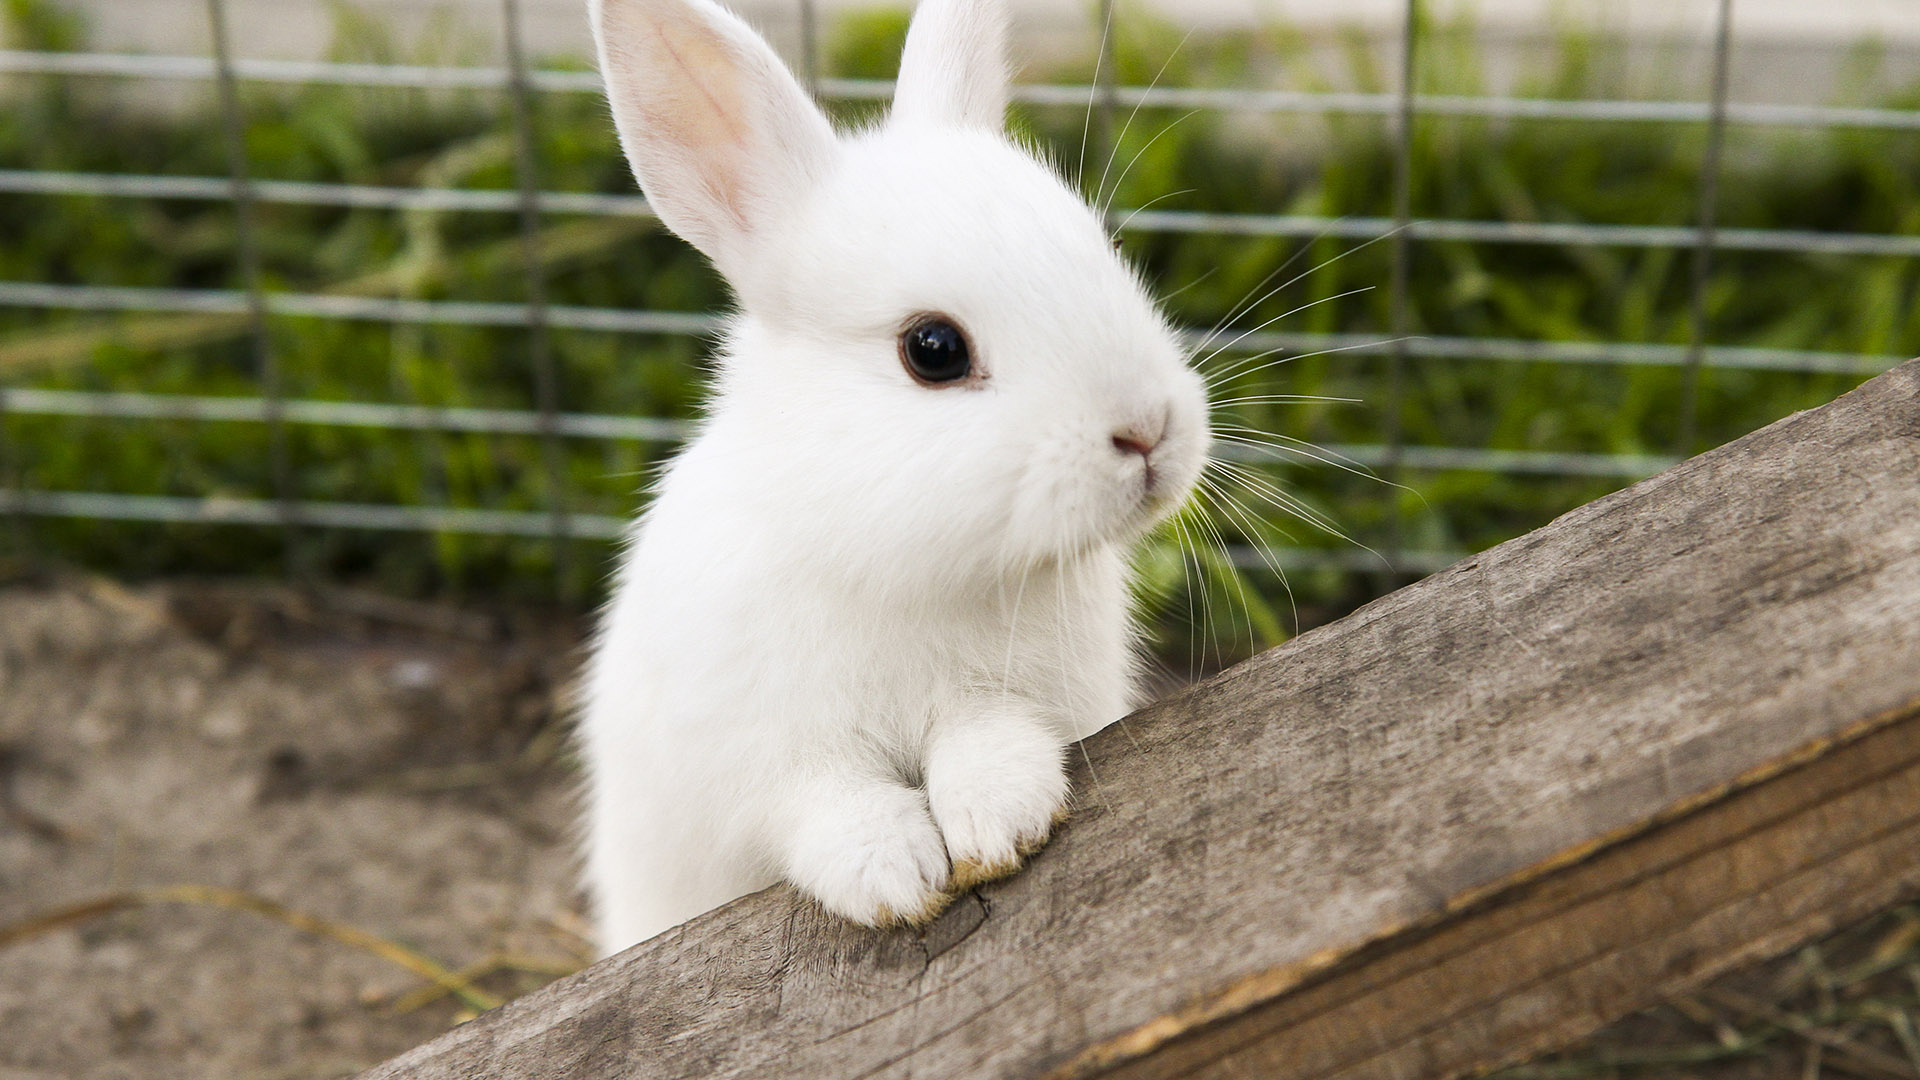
546,377
1104,103
810,46
13,491
246,242
1401,283
1703,246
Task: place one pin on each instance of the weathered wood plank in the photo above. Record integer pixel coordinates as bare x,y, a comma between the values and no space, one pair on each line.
1547,960
1675,729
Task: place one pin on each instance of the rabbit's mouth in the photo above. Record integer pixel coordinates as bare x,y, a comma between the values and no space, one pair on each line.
1164,478
1160,499
1161,492
1150,447
1157,488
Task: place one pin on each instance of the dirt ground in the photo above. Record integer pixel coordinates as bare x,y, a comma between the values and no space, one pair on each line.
192,774
389,766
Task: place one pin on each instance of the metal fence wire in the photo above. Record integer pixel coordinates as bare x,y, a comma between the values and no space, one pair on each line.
561,523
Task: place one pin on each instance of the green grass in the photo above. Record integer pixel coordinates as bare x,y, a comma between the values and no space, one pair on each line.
1619,173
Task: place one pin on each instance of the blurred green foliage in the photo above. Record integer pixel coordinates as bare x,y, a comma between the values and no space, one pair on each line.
1537,171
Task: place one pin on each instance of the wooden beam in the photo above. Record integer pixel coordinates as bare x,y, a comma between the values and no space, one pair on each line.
1676,729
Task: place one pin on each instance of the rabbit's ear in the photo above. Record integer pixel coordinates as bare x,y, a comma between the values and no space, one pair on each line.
954,69
719,134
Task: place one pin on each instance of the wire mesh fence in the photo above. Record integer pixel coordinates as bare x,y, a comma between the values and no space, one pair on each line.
248,293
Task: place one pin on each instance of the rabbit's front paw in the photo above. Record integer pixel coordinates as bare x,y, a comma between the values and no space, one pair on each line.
870,853
996,788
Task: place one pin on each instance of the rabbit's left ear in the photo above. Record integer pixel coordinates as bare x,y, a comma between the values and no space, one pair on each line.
954,69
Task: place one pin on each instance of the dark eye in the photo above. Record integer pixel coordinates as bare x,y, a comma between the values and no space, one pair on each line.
935,351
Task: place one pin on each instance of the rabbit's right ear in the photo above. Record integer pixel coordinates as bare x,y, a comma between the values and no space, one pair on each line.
954,67
719,133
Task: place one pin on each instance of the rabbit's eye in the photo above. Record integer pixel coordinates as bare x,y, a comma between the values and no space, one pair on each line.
935,351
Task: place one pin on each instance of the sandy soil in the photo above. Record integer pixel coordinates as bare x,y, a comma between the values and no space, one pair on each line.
389,766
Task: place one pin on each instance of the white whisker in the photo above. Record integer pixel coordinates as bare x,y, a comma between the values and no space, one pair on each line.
1122,227
1013,628
1107,206
1200,592
1301,275
1294,507
1060,604
1185,543
1114,150
1219,489
1249,525
1234,371
1273,495
1244,306
1240,586
1312,451
1287,444
1242,336
1275,399
1211,270
1093,90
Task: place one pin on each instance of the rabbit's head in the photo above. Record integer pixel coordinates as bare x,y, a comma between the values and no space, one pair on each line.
945,361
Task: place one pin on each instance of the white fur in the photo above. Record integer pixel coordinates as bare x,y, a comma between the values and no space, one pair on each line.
863,619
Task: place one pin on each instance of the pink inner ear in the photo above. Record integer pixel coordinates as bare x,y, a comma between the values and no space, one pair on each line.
695,105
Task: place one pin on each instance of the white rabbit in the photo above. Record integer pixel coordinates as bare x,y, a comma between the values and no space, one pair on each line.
883,590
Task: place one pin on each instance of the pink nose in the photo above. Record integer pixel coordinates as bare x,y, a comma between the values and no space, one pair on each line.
1135,441
1142,436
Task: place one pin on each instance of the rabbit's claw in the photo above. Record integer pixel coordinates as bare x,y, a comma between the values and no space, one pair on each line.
995,792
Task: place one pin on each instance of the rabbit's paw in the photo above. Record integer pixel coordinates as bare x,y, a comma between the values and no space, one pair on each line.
870,853
996,788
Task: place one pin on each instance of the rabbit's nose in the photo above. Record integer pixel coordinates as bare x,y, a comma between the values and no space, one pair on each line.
1130,441
1141,437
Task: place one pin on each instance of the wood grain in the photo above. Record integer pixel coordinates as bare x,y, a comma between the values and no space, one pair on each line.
1674,729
